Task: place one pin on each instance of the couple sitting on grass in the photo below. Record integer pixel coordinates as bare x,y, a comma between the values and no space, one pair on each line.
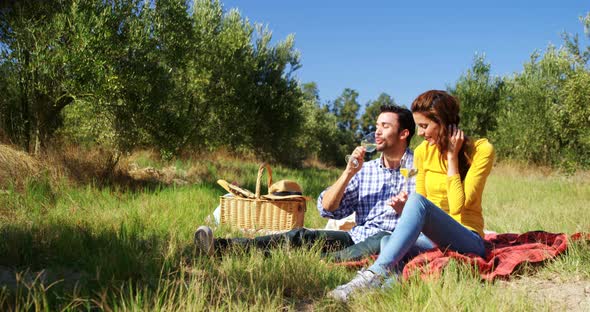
395,219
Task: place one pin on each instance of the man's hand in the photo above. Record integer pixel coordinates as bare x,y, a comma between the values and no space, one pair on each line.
334,194
359,155
398,202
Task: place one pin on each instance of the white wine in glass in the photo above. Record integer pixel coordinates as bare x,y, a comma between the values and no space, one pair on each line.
407,171
368,142
369,146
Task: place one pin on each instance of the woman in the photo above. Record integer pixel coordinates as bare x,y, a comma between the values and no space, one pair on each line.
446,208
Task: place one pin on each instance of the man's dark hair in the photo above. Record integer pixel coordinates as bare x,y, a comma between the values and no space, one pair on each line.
404,118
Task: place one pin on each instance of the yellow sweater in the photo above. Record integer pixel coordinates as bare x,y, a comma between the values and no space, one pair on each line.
460,199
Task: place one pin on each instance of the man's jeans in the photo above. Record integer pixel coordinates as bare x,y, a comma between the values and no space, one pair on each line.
336,245
421,215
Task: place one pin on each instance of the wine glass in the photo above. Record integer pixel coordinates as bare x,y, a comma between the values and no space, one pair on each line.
368,141
407,170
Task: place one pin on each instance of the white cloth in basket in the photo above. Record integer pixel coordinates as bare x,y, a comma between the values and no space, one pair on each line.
341,225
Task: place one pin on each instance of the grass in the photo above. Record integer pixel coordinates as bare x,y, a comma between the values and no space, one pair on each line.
518,201
108,248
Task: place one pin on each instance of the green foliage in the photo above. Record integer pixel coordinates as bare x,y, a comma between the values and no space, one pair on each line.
479,95
134,73
180,76
528,106
85,123
572,42
9,125
346,108
543,115
372,109
572,120
50,59
319,135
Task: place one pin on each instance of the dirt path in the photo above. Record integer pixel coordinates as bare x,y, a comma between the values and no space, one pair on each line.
556,293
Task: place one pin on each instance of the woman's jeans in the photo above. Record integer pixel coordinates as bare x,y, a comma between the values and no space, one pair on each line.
422,216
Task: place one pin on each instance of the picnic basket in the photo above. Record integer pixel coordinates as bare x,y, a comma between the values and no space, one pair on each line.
261,213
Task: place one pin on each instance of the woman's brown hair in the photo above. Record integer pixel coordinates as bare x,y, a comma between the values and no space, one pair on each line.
443,109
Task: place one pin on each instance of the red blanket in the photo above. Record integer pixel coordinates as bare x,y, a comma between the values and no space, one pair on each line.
504,253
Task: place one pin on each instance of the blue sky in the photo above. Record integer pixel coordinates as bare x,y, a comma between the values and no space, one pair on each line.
404,49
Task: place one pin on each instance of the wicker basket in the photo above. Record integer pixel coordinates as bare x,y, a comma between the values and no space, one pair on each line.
262,214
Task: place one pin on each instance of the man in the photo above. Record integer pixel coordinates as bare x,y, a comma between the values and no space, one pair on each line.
365,189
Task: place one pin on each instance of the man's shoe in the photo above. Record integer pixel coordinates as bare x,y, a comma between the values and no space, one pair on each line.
364,279
204,240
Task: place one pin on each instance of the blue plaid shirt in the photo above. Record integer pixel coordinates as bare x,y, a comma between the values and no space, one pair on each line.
368,194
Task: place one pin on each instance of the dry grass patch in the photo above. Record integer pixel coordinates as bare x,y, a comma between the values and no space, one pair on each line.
518,170
17,167
82,166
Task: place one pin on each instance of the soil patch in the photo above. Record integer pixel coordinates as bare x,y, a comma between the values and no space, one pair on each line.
557,293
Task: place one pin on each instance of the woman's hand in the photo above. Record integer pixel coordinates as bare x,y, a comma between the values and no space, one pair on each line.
398,202
456,138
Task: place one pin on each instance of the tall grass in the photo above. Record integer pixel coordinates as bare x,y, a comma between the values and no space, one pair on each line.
107,248
518,200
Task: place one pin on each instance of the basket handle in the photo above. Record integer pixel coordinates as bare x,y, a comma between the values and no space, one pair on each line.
269,175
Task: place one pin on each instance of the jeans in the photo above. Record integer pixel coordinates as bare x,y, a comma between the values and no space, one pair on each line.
421,215
421,245
370,246
336,245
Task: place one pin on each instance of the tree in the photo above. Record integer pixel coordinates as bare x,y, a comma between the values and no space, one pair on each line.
9,126
49,49
130,73
572,42
528,105
372,110
544,115
479,95
346,108
572,121
319,136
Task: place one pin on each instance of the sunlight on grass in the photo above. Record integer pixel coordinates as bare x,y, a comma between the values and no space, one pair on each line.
520,202
108,248
458,289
